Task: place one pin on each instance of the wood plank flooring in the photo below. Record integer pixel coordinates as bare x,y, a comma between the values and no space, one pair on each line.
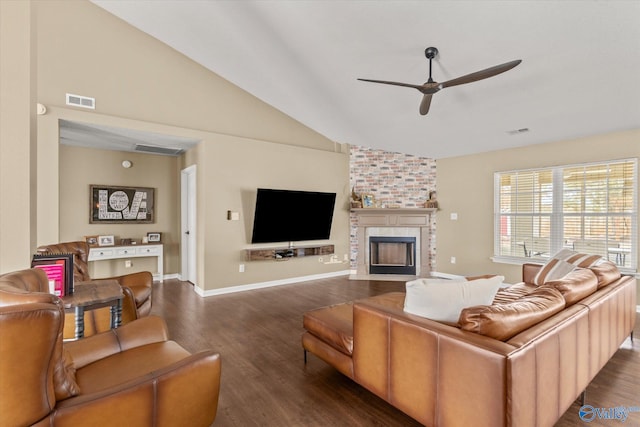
266,383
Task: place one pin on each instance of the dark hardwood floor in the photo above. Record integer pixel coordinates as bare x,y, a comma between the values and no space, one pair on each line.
266,383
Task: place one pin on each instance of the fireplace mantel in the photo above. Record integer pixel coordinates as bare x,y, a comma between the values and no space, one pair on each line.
415,218
389,217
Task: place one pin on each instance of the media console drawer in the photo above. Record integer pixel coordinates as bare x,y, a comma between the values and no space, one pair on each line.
149,250
100,254
126,251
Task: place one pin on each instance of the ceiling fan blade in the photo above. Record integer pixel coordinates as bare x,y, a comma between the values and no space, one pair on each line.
419,87
425,104
483,74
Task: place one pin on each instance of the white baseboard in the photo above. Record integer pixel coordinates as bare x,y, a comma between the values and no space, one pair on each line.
261,285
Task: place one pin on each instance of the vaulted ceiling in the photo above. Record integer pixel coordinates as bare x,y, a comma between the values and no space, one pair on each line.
579,72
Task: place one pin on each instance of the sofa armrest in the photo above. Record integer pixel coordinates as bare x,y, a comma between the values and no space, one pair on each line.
147,330
24,281
183,391
142,279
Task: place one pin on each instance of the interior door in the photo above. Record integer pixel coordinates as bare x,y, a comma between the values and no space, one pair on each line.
188,226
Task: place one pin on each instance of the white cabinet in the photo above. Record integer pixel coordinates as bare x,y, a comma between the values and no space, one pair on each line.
133,251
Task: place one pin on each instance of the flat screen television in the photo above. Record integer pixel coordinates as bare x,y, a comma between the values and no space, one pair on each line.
292,216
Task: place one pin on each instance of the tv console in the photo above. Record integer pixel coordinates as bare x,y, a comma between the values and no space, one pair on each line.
280,253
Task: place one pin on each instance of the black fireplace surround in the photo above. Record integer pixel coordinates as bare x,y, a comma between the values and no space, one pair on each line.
392,255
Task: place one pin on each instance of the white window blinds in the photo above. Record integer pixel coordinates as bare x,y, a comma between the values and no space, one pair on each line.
590,208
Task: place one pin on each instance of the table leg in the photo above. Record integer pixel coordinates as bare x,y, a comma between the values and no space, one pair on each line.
79,322
116,314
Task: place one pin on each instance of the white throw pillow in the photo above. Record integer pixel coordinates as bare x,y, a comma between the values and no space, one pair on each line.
442,300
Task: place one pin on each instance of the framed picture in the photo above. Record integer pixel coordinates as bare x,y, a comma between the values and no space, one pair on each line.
121,205
368,201
154,237
106,240
59,270
91,240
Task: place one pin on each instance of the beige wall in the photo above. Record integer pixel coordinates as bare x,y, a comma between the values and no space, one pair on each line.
235,168
144,85
465,186
81,167
17,135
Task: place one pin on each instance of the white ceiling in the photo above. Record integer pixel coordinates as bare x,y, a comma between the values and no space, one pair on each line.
579,75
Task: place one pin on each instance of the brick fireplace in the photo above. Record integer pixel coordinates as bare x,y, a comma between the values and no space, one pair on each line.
405,236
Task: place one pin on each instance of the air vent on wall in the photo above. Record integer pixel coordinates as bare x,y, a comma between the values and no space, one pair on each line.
159,150
81,101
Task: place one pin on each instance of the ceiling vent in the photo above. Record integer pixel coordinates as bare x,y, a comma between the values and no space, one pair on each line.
518,131
168,151
81,101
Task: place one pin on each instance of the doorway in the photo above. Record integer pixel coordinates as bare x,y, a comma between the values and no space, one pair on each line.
188,224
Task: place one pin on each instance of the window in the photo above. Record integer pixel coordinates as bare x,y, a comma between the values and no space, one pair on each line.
589,208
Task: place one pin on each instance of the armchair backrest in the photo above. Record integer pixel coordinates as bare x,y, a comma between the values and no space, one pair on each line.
80,251
32,366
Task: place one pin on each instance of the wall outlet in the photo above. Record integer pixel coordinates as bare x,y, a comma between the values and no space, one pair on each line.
241,268
453,260
127,263
454,216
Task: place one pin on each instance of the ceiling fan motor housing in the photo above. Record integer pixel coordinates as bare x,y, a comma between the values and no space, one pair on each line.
431,52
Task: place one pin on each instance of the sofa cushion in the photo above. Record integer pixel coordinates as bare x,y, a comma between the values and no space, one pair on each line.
576,285
503,321
513,292
442,300
128,365
606,272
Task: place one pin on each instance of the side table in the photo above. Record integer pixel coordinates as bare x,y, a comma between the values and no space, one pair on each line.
91,295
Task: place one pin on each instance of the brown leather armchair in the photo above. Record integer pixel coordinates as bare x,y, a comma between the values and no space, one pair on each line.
136,288
132,375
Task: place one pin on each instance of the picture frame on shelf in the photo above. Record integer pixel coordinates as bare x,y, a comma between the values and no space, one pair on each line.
368,201
92,241
106,240
154,237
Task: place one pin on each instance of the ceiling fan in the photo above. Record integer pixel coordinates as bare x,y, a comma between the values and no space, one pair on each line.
431,87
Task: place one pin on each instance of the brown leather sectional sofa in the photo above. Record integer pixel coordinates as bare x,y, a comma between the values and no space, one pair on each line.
444,375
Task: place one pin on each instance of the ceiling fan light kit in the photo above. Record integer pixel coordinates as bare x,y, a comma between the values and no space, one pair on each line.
431,87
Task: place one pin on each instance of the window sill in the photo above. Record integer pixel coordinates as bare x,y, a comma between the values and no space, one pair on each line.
517,260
